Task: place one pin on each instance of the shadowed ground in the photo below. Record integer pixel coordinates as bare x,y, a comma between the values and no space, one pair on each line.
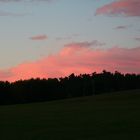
101,117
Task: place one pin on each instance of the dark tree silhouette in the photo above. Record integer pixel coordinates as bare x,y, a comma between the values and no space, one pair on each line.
34,90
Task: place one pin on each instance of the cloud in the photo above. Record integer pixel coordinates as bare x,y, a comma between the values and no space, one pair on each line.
3,13
39,37
5,74
85,44
121,27
120,7
137,38
77,60
7,1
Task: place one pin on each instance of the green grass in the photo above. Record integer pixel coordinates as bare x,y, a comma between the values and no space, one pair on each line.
102,117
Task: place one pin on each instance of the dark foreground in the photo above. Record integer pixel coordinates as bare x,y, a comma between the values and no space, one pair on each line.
101,117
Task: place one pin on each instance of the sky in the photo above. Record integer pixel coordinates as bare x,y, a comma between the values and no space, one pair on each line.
54,38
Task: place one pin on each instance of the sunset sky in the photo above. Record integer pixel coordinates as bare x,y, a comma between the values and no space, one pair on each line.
54,38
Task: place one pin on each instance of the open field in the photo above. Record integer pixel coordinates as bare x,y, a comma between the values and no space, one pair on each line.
101,117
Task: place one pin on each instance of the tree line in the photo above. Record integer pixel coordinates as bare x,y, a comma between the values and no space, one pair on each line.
35,90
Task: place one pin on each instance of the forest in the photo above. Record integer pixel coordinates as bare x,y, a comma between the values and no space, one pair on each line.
37,90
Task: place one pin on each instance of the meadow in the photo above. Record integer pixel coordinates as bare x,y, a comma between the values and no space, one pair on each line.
109,116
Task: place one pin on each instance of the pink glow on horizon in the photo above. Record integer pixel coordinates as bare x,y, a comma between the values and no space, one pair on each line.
77,60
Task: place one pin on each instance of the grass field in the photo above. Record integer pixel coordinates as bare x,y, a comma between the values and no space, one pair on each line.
102,117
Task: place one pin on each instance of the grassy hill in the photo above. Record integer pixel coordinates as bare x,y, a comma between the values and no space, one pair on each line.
101,117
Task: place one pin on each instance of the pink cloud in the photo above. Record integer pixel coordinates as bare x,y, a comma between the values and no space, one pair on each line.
5,74
77,60
121,7
39,37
